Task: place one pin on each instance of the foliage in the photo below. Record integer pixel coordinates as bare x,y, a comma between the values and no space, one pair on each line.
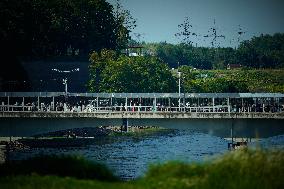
265,51
113,73
238,80
242,169
72,166
238,169
61,27
98,63
184,54
124,24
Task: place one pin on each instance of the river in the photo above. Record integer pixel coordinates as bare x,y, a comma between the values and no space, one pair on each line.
129,156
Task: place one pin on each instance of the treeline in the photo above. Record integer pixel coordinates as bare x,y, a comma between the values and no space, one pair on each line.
62,27
265,51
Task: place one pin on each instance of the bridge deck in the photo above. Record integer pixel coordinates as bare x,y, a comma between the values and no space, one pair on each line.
145,115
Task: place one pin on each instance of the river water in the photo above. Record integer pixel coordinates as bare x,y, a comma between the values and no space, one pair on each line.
129,156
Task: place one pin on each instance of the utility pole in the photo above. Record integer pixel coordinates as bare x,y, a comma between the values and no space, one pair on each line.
179,75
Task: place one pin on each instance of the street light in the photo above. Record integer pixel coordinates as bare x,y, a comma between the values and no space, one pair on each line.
65,83
65,80
179,76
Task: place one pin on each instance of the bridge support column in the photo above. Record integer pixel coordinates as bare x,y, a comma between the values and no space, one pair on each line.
124,126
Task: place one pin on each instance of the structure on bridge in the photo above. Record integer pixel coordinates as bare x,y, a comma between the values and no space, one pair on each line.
141,102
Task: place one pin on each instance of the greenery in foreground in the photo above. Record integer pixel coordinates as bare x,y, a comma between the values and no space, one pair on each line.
239,169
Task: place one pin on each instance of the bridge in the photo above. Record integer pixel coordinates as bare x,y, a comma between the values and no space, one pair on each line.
29,113
142,105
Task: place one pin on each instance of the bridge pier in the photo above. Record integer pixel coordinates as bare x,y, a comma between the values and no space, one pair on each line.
124,126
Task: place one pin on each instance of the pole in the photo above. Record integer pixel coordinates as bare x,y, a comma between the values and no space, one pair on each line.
179,74
97,103
23,104
53,105
213,101
228,101
65,83
37,103
232,131
8,103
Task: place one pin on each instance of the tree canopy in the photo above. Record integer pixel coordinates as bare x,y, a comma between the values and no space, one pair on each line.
112,73
265,51
60,27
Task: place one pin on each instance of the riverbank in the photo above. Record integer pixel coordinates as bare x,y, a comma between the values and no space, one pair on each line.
238,169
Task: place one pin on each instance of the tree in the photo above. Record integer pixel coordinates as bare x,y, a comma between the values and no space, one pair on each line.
124,24
98,62
265,51
112,73
58,27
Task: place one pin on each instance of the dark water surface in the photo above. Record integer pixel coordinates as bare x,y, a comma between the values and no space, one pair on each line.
129,157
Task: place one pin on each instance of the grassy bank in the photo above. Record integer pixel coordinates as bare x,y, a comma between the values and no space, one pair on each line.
241,169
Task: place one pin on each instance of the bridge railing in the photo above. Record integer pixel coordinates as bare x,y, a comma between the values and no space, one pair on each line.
94,109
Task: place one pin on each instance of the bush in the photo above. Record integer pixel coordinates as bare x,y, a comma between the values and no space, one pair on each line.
71,166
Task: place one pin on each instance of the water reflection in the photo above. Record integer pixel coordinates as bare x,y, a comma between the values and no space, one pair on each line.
262,128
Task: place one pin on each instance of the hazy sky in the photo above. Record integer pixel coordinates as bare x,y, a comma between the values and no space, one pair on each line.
158,19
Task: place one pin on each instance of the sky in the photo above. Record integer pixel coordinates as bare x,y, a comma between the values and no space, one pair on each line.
158,20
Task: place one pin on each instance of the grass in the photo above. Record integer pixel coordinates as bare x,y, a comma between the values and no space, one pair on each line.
239,169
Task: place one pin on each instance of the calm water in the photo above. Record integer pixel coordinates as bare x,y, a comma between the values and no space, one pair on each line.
128,157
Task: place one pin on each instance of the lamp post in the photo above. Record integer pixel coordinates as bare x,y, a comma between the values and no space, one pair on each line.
179,75
65,80
65,84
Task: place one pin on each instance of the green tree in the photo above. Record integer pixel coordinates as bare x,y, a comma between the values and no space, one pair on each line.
98,62
58,27
112,73
265,51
